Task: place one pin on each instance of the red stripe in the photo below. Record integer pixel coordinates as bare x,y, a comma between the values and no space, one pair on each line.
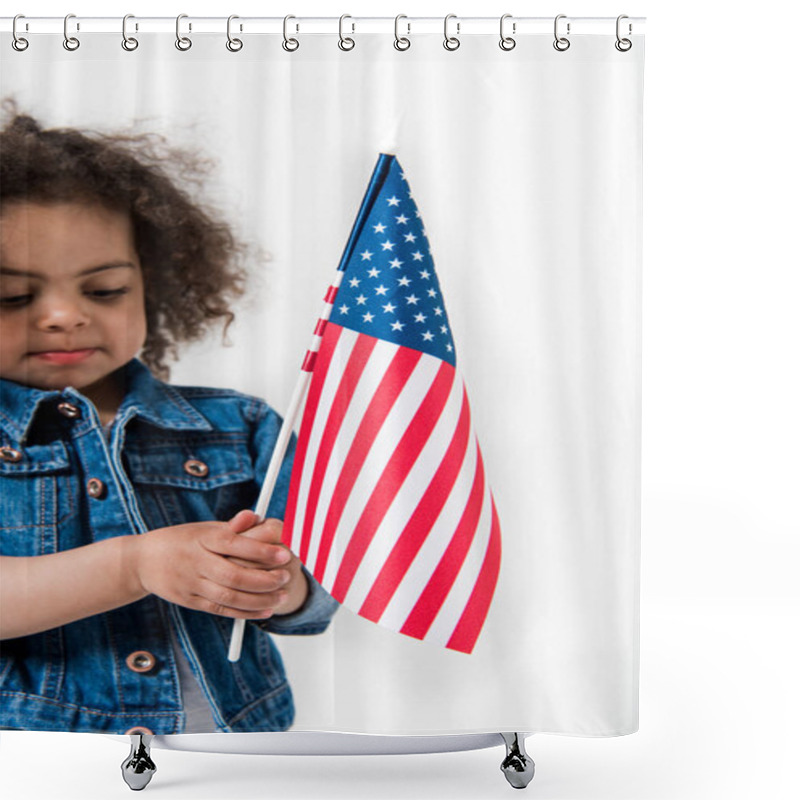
405,454
469,626
422,520
309,361
444,576
359,356
312,401
330,295
320,329
397,374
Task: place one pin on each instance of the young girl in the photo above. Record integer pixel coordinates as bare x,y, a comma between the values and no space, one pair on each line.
127,549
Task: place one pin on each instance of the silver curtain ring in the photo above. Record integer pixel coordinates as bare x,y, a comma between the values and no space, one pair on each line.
182,42
506,42
234,45
18,42
561,43
401,42
623,45
289,44
70,42
129,43
451,42
345,42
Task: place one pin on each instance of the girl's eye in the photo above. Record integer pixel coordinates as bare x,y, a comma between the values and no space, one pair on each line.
107,294
15,301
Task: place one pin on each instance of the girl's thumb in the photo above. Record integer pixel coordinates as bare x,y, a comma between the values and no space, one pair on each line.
244,520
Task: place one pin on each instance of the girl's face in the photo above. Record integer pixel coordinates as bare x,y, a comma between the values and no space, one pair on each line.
71,296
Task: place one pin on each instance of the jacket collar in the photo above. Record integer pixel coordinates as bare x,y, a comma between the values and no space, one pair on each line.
145,396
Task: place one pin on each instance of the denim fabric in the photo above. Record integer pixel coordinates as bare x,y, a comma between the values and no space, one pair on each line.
75,678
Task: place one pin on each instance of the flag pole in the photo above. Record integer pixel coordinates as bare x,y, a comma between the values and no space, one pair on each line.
376,182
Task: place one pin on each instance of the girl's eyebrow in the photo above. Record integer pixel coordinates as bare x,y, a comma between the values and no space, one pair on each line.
90,271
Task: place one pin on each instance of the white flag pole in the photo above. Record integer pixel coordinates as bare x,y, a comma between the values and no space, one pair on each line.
284,436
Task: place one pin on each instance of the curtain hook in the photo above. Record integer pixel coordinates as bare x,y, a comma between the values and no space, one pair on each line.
129,43
18,42
182,42
401,42
451,42
234,45
506,42
346,43
623,45
561,43
70,42
290,45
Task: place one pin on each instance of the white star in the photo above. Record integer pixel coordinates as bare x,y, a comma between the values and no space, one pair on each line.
402,219
404,281
389,308
416,212
449,348
420,317
427,336
431,292
437,311
395,263
403,176
381,289
368,317
443,329
387,245
398,326
418,256
354,282
373,273
366,255
393,201
361,299
412,300
379,228
344,309
410,237
425,274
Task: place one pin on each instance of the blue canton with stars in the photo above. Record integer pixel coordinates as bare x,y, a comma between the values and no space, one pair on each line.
389,288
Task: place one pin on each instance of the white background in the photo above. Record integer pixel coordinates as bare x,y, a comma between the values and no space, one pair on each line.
720,597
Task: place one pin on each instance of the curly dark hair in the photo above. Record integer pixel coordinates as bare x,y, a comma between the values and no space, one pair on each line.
191,262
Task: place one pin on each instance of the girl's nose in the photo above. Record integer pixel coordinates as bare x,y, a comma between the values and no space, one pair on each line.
61,314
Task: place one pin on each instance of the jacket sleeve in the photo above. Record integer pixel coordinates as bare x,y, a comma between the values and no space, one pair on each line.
315,614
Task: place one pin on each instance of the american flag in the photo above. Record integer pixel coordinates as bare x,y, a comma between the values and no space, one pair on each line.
388,506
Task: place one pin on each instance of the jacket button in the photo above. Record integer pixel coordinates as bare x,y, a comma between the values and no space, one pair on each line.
139,730
10,454
141,661
96,488
197,468
69,411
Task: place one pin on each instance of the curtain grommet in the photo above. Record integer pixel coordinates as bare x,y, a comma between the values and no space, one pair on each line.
183,43
129,43
507,42
233,44
561,43
451,43
19,43
289,44
623,44
401,43
346,43
71,43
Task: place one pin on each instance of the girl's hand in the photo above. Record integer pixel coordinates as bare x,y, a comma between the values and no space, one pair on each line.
207,566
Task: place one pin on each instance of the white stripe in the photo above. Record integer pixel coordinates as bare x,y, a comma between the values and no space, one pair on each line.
343,346
383,445
433,550
453,607
407,498
370,379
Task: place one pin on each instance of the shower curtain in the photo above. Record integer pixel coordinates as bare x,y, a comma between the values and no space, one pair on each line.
516,172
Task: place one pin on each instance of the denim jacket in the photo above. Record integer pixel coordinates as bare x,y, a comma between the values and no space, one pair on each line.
174,455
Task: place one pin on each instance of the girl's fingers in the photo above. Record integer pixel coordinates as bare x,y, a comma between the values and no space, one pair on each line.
226,602
225,573
247,549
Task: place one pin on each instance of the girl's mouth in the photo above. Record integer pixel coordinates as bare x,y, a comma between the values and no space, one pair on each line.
64,356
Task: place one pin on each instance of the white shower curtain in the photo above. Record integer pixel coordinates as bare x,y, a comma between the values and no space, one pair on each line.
526,168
